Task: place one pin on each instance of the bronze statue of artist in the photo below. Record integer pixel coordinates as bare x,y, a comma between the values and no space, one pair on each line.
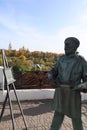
69,75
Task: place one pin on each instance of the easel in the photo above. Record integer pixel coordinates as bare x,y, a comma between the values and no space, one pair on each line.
10,84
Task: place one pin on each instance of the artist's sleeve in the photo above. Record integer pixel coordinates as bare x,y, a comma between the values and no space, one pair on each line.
54,71
83,85
84,69
52,74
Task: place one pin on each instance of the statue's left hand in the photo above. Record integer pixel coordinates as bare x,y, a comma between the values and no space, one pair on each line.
81,87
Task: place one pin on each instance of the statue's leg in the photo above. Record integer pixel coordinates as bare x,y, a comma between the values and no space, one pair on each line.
57,121
77,124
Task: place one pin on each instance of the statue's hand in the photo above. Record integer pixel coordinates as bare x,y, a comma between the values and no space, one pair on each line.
81,87
51,80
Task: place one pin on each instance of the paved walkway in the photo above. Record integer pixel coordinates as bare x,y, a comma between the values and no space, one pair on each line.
38,115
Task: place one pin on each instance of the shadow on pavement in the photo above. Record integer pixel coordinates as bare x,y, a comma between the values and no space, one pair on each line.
30,108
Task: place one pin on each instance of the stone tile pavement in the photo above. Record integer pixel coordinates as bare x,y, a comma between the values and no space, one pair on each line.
38,115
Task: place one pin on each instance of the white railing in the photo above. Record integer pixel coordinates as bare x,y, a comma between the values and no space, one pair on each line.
33,94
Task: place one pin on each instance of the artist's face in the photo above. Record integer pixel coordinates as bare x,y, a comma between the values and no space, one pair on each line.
69,48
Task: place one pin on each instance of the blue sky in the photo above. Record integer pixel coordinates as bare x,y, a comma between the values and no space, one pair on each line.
42,25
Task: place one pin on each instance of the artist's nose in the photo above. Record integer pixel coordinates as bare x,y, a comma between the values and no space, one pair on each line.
67,46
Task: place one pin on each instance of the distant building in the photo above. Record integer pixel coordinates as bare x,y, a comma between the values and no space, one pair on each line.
39,66
10,46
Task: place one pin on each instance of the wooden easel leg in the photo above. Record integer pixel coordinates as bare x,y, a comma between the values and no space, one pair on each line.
3,108
10,105
19,106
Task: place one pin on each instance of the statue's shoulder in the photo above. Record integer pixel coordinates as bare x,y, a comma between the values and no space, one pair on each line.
61,58
81,58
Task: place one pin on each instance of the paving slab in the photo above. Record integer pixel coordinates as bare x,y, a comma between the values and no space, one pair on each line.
38,115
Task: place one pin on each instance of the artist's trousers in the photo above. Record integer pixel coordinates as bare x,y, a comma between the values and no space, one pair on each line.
58,119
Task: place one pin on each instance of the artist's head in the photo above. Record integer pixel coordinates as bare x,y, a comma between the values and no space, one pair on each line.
71,45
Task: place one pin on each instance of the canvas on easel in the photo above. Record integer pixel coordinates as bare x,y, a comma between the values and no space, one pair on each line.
1,79
9,79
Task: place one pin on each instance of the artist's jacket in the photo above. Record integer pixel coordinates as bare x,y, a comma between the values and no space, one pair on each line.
69,70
